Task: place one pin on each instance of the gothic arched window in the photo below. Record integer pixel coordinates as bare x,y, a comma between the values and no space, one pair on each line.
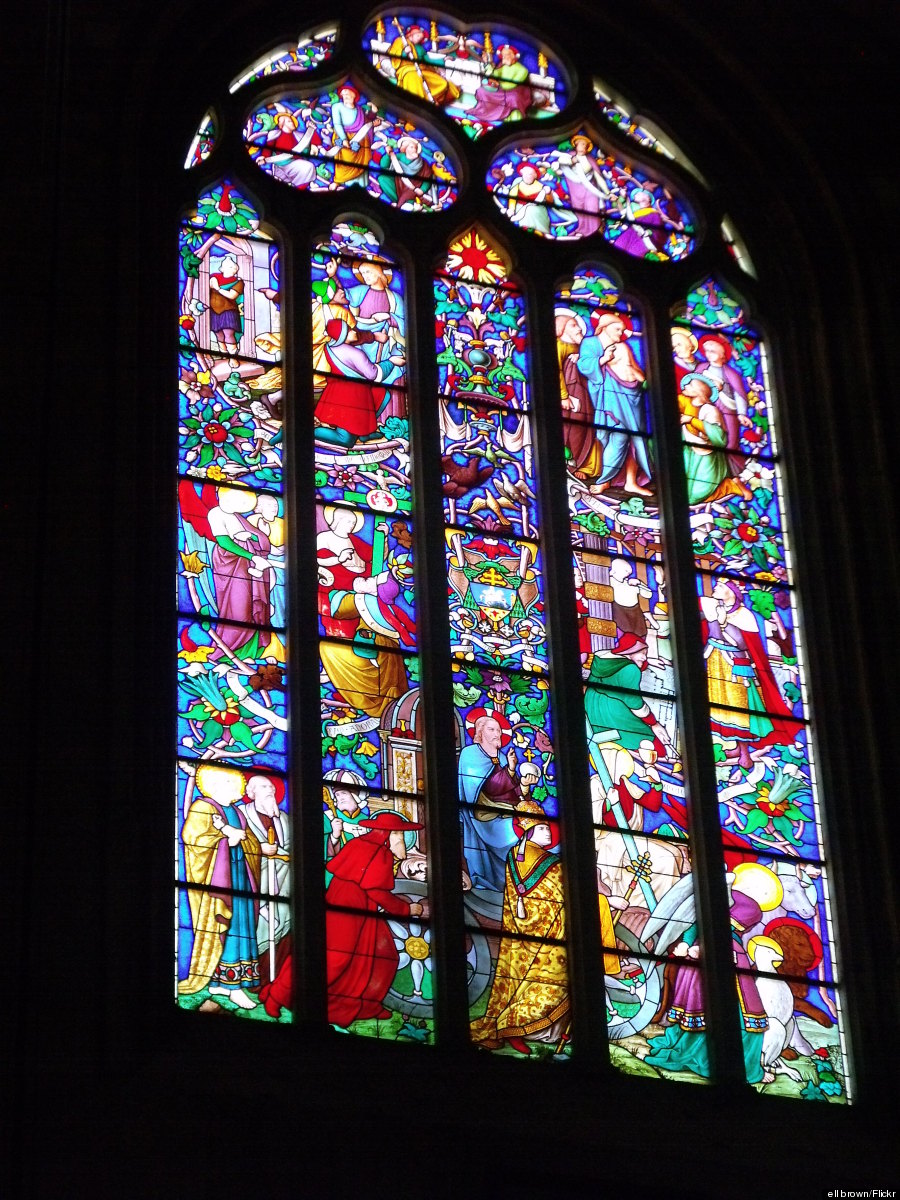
493,726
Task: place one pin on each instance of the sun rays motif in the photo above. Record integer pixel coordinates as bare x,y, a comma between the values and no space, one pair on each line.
472,258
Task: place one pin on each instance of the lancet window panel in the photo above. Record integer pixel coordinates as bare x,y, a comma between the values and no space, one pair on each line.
491,576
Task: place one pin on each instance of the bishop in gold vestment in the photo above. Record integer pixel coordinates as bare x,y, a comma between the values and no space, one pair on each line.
530,992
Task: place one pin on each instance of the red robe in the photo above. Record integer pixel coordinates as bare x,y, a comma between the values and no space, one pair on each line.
362,959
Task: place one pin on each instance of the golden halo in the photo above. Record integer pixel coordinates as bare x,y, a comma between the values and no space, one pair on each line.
761,884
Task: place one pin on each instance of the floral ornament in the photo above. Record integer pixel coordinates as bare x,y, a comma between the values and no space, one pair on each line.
710,305
592,288
212,435
775,810
216,709
593,523
758,478
195,384
396,427
268,678
744,536
193,656
828,1077
634,507
225,209
346,477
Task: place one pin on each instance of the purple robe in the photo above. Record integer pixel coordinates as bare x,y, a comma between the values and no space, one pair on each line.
239,595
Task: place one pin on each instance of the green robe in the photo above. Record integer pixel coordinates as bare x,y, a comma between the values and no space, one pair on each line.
606,709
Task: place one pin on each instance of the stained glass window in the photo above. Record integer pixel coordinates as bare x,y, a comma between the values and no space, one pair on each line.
489,577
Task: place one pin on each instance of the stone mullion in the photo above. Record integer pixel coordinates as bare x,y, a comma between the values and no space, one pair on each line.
308,879
708,865
585,954
436,712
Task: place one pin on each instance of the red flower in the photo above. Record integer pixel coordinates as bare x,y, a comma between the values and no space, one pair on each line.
747,533
214,432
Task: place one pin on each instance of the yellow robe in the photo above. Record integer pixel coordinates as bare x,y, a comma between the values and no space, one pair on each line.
530,992
415,76
210,912
369,684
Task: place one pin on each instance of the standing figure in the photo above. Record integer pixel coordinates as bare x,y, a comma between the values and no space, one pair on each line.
222,857
344,806
731,401
238,558
377,310
362,959
585,456
684,353
588,190
627,591
265,518
270,827
740,675
352,137
226,288
486,786
616,385
529,1000
240,566
617,704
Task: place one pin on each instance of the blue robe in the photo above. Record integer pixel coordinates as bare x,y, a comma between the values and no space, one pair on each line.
618,409
485,843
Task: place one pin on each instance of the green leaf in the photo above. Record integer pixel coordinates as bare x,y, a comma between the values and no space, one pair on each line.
191,423
368,768
240,732
784,827
756,819
732,546
231,454
761,602
207,454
